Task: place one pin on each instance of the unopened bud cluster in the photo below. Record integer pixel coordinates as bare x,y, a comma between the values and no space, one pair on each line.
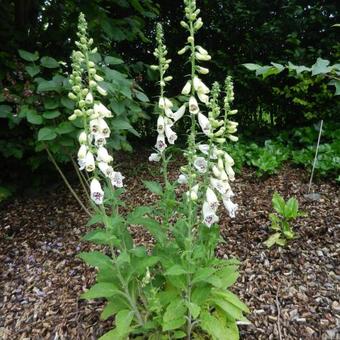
167,117
85,82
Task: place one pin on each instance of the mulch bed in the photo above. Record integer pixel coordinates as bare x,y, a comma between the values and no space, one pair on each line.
291,292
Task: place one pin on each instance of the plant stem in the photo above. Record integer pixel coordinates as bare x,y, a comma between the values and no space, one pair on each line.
66,181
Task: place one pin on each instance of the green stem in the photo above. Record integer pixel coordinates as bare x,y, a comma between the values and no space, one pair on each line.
66,181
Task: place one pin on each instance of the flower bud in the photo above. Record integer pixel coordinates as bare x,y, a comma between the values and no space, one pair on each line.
91,64
191,39
82,138
154,67
84,92
168,78
184,24
72,96
98,78
183,50
72,117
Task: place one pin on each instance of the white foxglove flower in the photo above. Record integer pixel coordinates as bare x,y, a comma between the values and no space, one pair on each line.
97,194
202,57
233,138
202,70
179,113
102,110
204,148
82,138
228,194
99,140
187,88
209,215
89,162
221,186
201,50
199,86
160,144
212,199
200,164
230,206
89,98
106,169
164,103
230,172
160,124
182,179
216,171
193,193
193,105
228,160
103,155
204,123
155,157
101,90
170,134
103,128
81,163
94,126
82,151
117,179
203,97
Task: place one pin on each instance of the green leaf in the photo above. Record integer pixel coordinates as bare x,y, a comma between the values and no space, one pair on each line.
228,276
194,309
179,335
113,61
154,187
51,114
214,327
49,62
175,270
28,56
279,203
101,290
141,96
251,67
174,316
335,83
202,274
33,117
291,208
32,70
64,128
200,294
48,85
46,134
272,240
100,236
68,103
5,110
96,259
321,67
232,298
120,124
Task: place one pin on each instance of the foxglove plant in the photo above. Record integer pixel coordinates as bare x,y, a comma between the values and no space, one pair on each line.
179,288
85,81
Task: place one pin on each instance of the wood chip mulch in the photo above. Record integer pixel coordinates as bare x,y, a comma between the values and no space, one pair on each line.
292,292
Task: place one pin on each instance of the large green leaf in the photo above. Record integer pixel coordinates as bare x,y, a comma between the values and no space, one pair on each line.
33,117
174,316
154,187
101,290
113,61
96,259
279,203
46,134
49,62
28,56
321,66
32,70
51,114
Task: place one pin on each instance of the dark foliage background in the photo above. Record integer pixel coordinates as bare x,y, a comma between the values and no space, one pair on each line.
235,32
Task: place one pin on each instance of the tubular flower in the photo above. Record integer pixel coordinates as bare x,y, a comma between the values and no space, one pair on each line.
92,155
97,194
209,215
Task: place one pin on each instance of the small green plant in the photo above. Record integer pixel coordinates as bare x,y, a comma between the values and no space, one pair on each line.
285,213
